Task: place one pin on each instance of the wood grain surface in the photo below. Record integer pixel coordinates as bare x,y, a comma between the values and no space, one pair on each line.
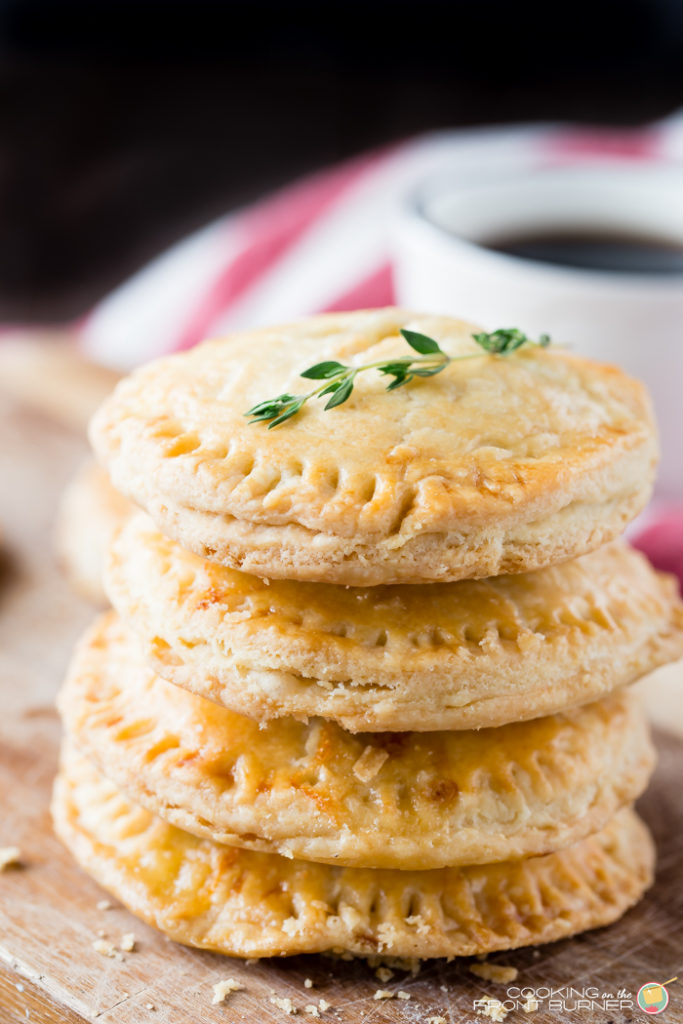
49,971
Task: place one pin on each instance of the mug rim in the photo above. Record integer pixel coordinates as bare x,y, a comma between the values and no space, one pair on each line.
438,186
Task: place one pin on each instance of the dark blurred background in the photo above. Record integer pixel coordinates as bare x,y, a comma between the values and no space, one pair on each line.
124,125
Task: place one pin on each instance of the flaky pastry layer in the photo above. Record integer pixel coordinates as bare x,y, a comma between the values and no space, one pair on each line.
448,656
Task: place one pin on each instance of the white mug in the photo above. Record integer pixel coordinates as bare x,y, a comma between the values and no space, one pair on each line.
632,319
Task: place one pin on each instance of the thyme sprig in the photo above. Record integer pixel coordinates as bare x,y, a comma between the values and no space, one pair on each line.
338,379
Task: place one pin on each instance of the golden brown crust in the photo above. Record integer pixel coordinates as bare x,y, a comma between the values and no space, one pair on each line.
90,512
255,904
448,656
496,465
316,792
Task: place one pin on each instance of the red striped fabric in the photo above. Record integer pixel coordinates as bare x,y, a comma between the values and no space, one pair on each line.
269,231
372,291
582,143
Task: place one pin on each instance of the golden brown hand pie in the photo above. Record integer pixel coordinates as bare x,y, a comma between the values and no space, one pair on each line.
496,465
440,656
258,904
378,800
90,512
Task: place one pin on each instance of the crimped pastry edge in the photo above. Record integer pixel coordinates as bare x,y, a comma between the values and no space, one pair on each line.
293,658
251,904
437,799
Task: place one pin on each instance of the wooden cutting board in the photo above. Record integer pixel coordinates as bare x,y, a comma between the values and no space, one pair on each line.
49,919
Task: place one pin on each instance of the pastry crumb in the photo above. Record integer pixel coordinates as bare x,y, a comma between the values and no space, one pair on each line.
127,943
150,1006
369,763
10,857
492,1008
418,922
311,1010
494,972
384,974
292,926
106,948
531,1004
285,1004
385,993
308,983
323,1005
436,1020
222,989
104,905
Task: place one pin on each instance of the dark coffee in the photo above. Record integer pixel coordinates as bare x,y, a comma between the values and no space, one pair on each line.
588,250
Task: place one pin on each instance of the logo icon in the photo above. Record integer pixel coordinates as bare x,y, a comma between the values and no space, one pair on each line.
653,996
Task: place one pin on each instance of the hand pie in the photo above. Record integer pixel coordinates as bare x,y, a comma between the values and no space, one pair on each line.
90,512
259,904
376,800
447,656
499,464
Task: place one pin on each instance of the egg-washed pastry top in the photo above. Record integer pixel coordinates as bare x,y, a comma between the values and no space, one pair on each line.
252,904
498,464
439,656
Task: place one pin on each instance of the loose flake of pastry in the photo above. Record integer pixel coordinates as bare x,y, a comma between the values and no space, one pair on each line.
436,1020
384,974
383,993
369,763
10,856
311,1010
494,972
222,989
323,1005
487,1006
419,923
127,943
150,1006
284,1004
106,948
402,995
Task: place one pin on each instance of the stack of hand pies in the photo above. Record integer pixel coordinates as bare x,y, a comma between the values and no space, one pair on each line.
365,685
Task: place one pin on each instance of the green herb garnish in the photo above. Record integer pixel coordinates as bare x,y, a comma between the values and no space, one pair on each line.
431,359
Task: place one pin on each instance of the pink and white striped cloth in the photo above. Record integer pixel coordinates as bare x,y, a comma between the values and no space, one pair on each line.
325,243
